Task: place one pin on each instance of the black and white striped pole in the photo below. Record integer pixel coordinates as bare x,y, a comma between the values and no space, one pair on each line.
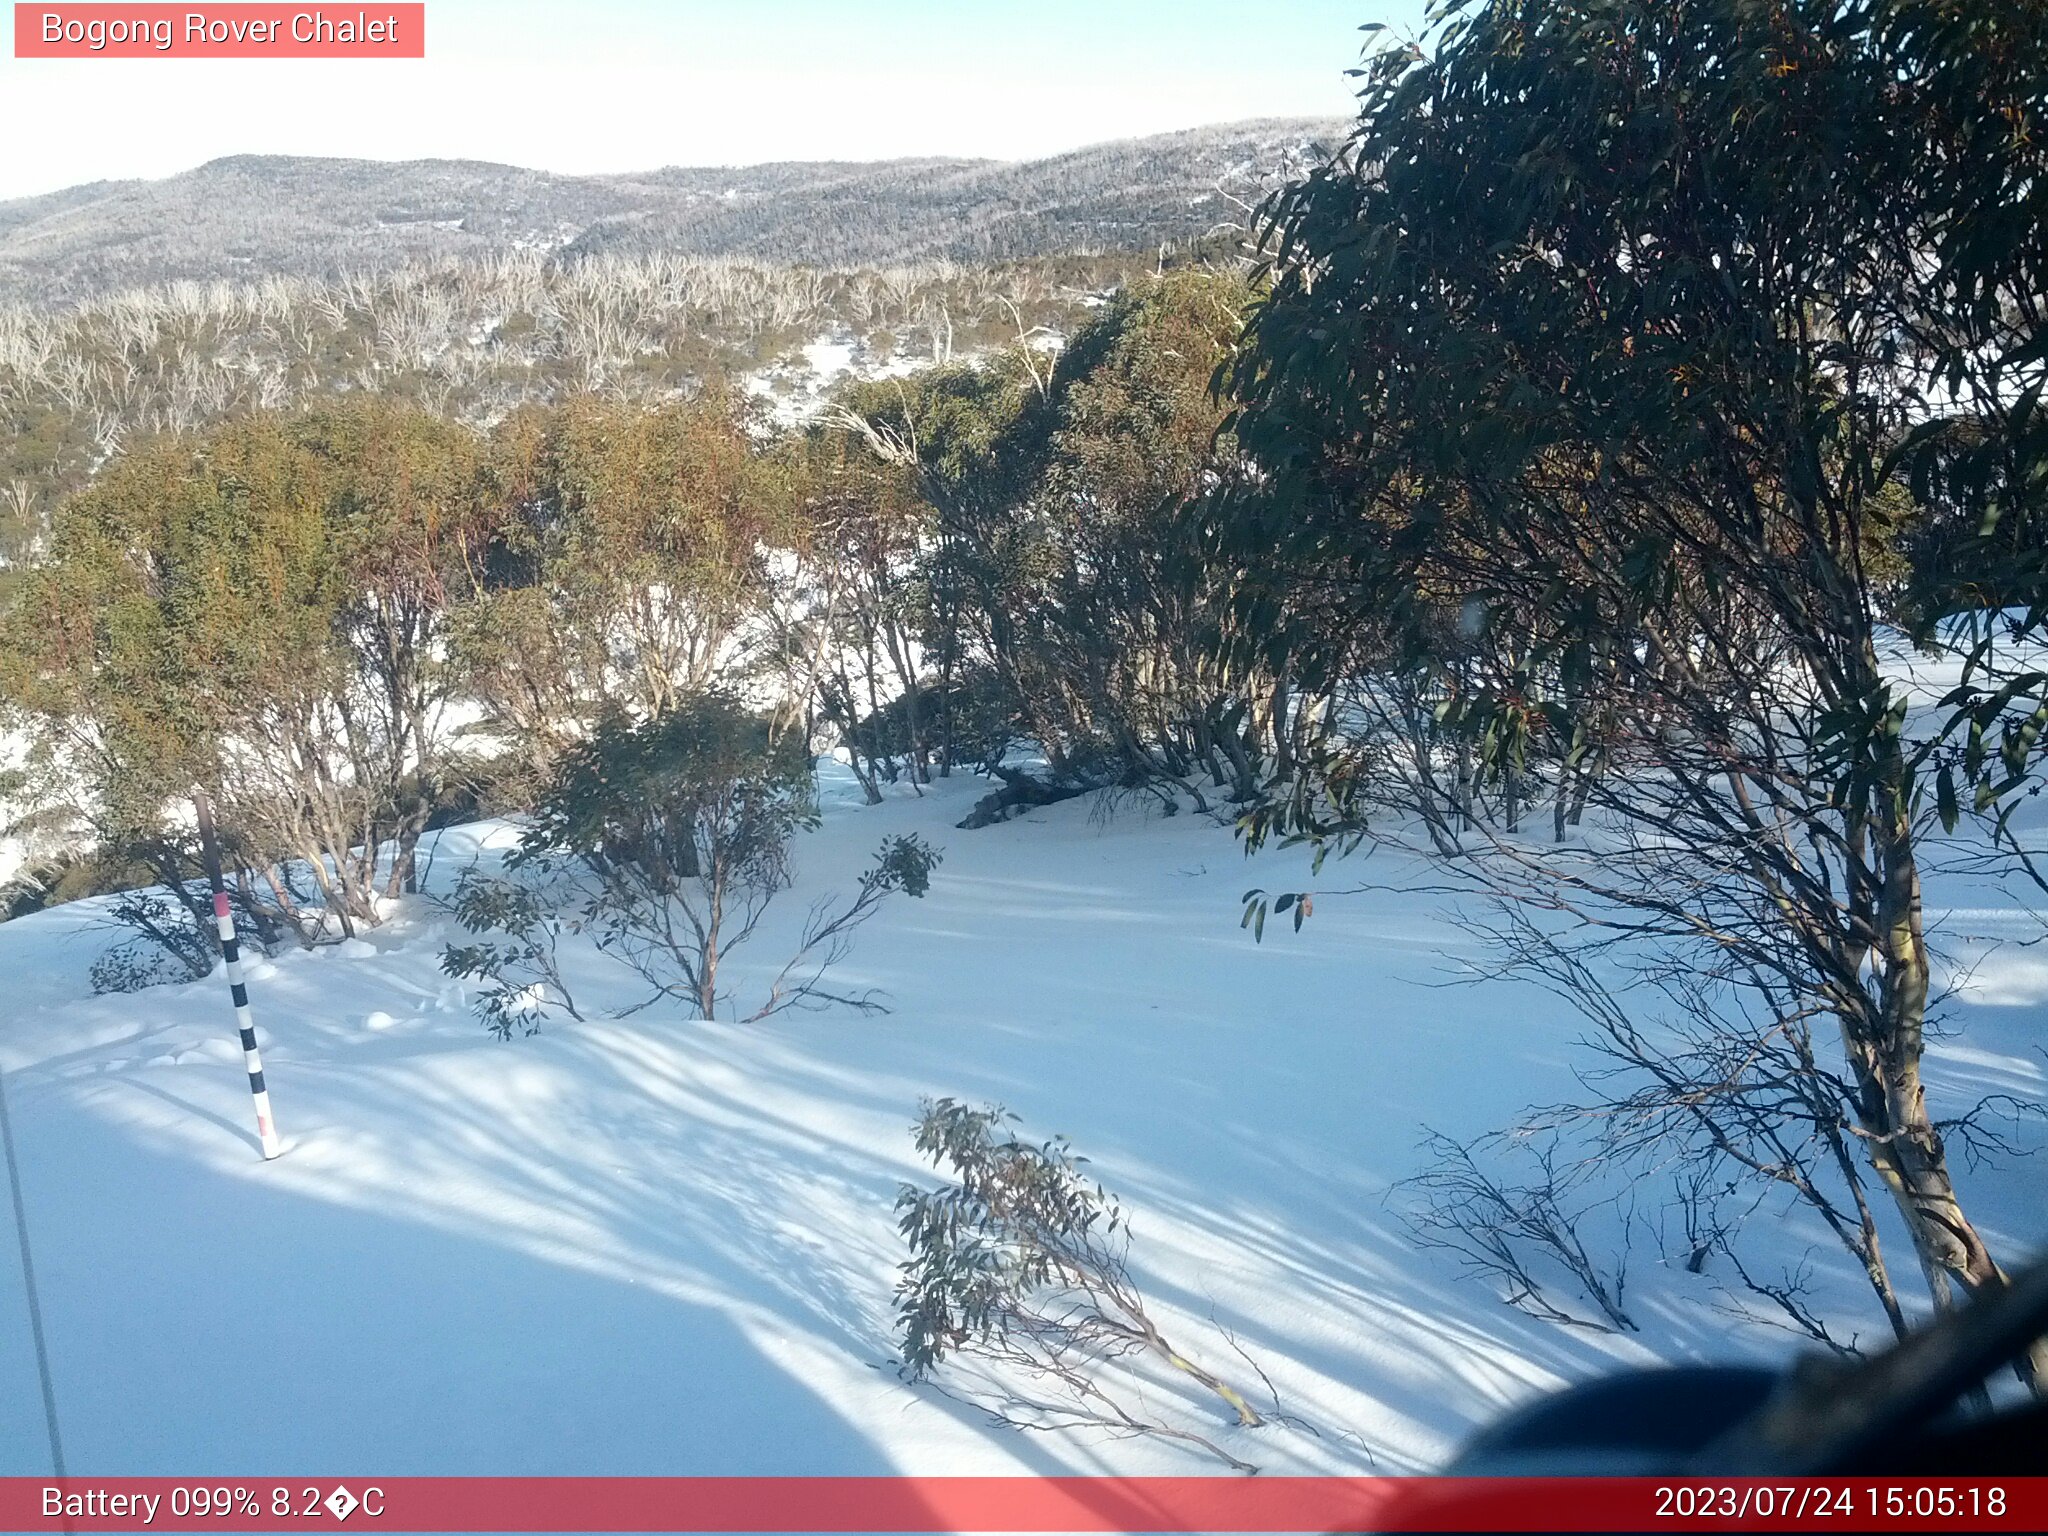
223,916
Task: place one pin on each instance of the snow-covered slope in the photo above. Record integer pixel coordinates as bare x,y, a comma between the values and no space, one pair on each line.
659,1246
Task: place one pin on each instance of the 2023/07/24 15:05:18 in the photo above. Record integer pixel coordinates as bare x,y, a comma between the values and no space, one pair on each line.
1821,1500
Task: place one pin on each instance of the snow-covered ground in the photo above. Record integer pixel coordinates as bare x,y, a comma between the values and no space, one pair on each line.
664,1247
797,387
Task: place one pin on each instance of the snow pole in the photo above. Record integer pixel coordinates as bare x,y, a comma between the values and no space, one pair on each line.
28,1286
224,919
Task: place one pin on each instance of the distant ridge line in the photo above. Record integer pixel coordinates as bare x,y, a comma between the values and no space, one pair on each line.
256,215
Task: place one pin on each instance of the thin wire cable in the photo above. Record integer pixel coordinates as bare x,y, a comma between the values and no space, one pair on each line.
28,1281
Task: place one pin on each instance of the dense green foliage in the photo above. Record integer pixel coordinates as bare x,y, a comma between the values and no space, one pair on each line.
1605,389
472,341
263,614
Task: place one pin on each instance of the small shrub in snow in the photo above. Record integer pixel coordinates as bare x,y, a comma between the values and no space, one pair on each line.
519,961
665,842
166,947
680,829
1018,1265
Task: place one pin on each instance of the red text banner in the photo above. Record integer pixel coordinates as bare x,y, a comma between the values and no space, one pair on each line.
1022,1504
376,31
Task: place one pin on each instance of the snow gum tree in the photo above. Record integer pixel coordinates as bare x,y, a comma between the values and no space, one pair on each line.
969,438
675,834
261,613
628,554
1126,614
853,628
1061,559
1641,337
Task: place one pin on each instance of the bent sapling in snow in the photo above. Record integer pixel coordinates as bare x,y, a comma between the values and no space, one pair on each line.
1018,1266
903,864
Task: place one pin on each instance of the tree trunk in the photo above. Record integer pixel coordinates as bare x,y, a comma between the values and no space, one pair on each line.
1283,733
1884,1048
1462,790
707,971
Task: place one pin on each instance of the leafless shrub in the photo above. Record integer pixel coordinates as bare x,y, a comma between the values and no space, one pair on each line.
1524,1237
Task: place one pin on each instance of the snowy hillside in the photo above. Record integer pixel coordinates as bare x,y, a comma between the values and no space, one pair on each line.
276,215
665,1247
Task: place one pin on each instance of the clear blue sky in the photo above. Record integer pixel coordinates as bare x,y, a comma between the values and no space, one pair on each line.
615,85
